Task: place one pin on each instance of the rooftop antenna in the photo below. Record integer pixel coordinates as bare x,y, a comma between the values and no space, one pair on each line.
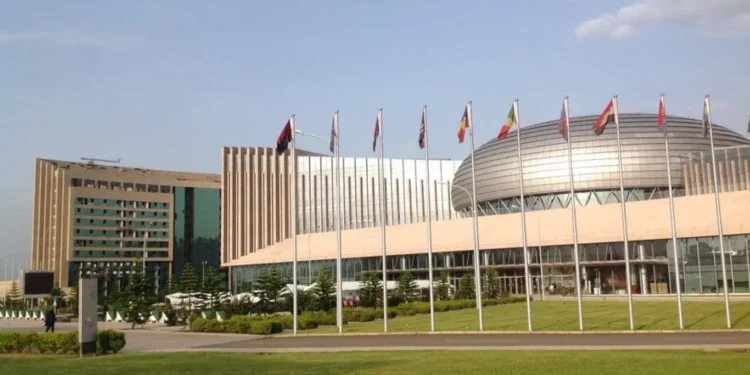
92,161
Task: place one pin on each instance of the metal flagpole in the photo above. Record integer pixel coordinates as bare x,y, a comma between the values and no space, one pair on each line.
382,221
523,218
707,104
623,199
339,284
294,222
477,274
671,218
574,216
429,219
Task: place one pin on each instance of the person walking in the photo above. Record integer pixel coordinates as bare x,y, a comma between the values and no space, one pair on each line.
49,321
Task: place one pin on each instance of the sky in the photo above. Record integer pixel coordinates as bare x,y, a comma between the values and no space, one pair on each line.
164,84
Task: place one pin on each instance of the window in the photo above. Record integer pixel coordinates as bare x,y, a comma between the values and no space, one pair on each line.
78,210
91,221
78,221
91,211
105,202
105,211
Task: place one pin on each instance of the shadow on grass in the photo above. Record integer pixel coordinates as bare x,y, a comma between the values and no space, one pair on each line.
703,318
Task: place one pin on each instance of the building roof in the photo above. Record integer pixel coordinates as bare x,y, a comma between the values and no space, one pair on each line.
133,174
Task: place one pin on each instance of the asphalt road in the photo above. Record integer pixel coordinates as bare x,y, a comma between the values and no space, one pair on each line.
702,340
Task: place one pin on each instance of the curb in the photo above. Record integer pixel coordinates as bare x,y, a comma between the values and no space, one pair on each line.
509,333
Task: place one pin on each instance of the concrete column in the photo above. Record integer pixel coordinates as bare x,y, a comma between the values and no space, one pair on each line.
642,268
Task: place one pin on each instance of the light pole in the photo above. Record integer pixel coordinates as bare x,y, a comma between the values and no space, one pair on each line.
203,274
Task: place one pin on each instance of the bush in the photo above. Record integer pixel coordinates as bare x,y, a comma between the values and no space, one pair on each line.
240,325
107,342
306,322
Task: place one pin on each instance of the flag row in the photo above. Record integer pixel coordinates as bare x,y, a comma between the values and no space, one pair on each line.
608,116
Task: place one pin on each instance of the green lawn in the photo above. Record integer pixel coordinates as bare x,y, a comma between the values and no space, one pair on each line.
410,362
563,316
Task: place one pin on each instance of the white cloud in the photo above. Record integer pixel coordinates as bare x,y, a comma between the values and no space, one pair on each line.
710,17
69,39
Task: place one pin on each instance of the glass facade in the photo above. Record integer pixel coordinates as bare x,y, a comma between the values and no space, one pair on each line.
602,267
196,229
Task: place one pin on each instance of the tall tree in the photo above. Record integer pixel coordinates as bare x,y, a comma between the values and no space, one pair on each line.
367,293
325,289
276,283
490,284
407,287
245,286
442,286
466,287
172,286
213,287
73,297
13,297
377,288
188,280
262,285
58,295
137,312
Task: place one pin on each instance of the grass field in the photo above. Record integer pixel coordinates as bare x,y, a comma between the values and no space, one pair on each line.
563,316
428,362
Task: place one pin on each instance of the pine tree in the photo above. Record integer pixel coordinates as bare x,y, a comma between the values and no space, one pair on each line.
407,287
136,293
490,284
325,289
377,289
276,284
466,287
213,287
261,285
13,296
245,286
367,296
442,287
188,280
172,286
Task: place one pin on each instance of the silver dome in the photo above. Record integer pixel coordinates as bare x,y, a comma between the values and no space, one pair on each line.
595,161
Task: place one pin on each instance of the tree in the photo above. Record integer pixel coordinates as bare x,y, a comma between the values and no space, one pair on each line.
73,298
407,287
466,287
245,286
58,295
136,293
213,287
370,289
188,280
13,298
172,286
442,287
490,284
325,289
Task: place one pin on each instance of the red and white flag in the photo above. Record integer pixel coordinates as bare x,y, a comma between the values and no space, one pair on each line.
609,115
661,119
563,130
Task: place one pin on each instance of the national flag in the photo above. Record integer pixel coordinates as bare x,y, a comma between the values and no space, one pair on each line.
705,123
605,118
377,133
423,132
334,132
510,121
463,125
282,143
661,118
563,122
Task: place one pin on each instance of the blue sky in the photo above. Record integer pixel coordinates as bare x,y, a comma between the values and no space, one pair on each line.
165,84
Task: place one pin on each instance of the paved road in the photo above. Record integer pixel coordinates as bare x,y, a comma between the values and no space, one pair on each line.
707,340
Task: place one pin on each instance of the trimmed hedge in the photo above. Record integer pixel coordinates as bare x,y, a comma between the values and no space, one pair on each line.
240,325
107,342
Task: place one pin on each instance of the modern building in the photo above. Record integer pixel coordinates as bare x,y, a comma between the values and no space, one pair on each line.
107,219
256,185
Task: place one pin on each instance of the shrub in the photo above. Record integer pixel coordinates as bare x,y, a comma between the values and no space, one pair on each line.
58,343
306,322
109,342
240,325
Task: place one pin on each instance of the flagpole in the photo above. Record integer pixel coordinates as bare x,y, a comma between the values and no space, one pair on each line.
523,217
671,219
339,292
429,219
382,221
477,274
573,200
623,198
294,222
718,213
